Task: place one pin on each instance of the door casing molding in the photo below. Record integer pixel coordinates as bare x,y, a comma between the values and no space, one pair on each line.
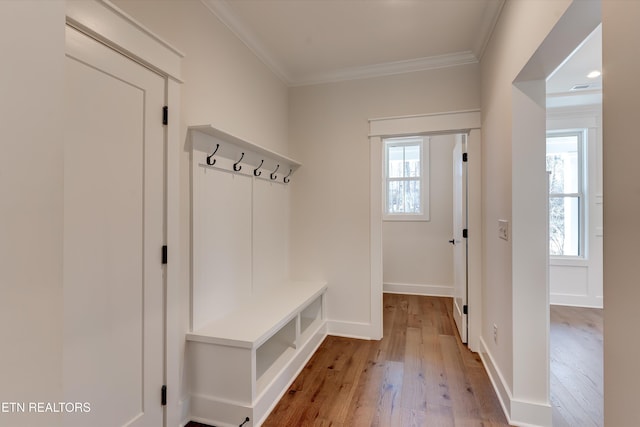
110,25
466,121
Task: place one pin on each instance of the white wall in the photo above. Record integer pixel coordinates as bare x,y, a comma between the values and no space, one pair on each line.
620,35
330,199
521,28
530,41
32,127
225,84
417,255
579,282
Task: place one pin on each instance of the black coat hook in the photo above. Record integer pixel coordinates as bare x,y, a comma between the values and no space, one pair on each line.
235,165
273,174
257,171
211,162
286,178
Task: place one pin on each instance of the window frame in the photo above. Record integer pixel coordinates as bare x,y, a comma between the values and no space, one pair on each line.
410,140
581,194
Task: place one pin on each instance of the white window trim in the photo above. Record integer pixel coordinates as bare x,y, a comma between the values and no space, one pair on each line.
424,180
581,195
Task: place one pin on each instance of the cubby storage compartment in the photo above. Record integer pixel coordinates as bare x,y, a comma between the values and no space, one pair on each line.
310,318
274,354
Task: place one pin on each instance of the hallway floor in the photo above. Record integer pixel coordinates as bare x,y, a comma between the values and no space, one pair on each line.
576,367
419,375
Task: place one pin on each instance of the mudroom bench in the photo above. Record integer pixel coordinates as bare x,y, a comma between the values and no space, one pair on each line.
252,328
243,362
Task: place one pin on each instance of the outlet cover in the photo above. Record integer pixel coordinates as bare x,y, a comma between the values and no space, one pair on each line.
503,229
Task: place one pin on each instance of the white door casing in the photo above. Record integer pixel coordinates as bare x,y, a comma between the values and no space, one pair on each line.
113,233
429,124
459,240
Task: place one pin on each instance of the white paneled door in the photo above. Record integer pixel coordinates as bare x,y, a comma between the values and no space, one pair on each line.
459,240
113,235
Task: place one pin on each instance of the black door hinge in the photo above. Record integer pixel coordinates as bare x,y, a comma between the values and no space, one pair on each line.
165,115
464,157
465,309
164,254
464,233
163,397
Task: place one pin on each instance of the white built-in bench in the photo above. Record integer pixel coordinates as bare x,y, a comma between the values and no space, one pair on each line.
252,330
243,362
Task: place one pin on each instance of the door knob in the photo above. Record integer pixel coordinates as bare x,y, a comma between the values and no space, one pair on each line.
452,241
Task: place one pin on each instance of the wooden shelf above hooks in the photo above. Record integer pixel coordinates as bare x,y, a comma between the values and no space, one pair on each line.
206,138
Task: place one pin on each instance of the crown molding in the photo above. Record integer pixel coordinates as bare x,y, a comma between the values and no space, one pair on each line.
488,24
388,69
223,12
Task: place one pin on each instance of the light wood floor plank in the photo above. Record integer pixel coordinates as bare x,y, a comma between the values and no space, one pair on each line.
576,366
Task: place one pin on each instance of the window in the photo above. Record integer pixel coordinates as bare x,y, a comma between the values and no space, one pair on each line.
406,179
565,163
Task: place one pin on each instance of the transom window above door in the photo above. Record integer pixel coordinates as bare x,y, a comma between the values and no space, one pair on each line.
406,190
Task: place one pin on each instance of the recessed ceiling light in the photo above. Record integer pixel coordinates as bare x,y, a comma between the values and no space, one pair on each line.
594,74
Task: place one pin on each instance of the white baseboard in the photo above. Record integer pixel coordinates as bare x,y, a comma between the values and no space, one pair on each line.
518,412
213,410
576,300
265,403
530,414
497,380
185,405
356,330
210,410
418,289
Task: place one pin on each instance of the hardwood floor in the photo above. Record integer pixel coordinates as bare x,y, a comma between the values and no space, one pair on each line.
576,367
418,375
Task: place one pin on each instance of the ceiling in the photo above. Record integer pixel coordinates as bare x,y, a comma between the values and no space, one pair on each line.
314,41
561,91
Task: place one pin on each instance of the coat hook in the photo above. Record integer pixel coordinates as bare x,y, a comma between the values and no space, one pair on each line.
235,165
211,162
273,174
286,178
256,171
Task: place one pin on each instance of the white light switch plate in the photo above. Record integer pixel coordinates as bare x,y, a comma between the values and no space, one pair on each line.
503,229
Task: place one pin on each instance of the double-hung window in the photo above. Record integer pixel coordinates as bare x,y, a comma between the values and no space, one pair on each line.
406,191
565,163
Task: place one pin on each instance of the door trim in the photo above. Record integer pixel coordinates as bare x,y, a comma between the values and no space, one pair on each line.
110,25
107,23
438,123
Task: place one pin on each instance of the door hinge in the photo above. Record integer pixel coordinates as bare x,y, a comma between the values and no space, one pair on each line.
165,115
164,254
465,309
464,233
465,157
163,397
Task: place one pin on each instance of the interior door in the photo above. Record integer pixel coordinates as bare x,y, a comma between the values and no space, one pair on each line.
459,241
113,235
